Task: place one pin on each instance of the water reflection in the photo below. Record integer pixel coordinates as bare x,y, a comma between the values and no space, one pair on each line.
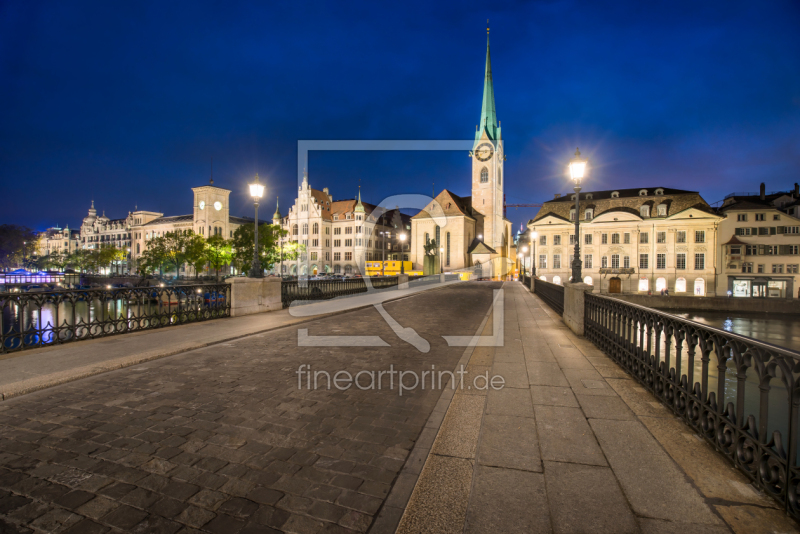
781,330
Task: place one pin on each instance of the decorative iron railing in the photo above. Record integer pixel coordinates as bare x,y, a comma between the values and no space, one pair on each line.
740,394
552,294
329,289
37,319
526,280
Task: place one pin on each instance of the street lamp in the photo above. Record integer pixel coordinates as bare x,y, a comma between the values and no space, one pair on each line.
402,249
534,237
577,171
383,252
256,191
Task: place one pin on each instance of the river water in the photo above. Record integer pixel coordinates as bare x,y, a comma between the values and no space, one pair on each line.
781,330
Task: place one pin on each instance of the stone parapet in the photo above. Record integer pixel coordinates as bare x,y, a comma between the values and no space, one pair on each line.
254,295
574,295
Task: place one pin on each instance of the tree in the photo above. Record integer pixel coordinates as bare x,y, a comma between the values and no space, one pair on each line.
218,252
105,256
55,260
83,260
196,253
17,243
153,256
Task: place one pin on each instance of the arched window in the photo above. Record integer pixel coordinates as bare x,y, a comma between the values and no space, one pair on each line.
662,210
644,284
557,280
588,214
661,283
337,269
499,177
484,175
348,269
680,285
316,228
438,237
137,248
447,250
427,238
699,287
645,211
294,229
305,228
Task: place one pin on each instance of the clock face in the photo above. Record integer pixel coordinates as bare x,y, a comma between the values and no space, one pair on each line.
484,152
202,205
218,205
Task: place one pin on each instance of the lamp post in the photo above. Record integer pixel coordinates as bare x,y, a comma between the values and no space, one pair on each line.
383,253
256,191
524,253
577,170
402,249
534,237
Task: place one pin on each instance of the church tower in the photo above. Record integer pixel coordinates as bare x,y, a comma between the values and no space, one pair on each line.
487,165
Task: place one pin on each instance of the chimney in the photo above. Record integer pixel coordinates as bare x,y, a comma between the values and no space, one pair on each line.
763,193
558,195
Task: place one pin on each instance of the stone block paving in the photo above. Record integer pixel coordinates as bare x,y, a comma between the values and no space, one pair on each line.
572,445
221,440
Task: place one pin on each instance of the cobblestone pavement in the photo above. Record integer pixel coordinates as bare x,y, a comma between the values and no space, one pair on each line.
221,440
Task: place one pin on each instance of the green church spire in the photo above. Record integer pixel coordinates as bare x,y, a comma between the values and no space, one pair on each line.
359,206
488,122
277,214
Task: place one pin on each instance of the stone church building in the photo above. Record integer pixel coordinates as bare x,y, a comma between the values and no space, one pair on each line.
476,230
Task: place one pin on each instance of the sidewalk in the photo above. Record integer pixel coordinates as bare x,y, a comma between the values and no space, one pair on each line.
31,370
572,444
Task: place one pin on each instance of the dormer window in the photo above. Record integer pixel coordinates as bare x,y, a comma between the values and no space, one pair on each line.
643,193
615,194
572,214
348,216
572,197
662,210
645,211
659,192
588,214
589,196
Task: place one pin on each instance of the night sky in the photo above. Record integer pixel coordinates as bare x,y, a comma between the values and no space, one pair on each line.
127,102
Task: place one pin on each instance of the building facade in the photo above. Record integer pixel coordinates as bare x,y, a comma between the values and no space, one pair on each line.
632,241
58,241
759,245
338,236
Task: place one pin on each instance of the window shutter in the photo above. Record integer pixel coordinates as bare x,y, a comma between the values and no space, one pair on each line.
783,249
781,229
772,230
754,231
762,250
739,231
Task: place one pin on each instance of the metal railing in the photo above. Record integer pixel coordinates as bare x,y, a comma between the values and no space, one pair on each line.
526,280
740,394
328,289
552,294
43,318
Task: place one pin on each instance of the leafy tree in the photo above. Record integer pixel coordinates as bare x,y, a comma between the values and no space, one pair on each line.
83,260
55,260
17,243
105,256
153,257
268,245
196,253
218,252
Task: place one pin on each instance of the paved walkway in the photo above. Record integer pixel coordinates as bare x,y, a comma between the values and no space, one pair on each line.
31,370
221,440
572,444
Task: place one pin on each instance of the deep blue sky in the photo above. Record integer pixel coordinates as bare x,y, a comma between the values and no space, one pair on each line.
126,102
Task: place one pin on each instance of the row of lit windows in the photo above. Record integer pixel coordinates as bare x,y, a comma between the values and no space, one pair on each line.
777,268
644,238
644,261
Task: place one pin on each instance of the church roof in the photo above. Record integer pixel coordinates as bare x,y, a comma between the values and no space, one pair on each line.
452,204
479,247
170,220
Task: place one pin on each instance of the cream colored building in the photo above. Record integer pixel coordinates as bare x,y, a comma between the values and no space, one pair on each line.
340,235
58,240
632,241
759,245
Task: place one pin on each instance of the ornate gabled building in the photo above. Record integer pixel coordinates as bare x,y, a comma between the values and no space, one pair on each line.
58,241
340,235
477,219
759,244
632,241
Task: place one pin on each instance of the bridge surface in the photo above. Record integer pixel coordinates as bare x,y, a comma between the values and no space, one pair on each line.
220,438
